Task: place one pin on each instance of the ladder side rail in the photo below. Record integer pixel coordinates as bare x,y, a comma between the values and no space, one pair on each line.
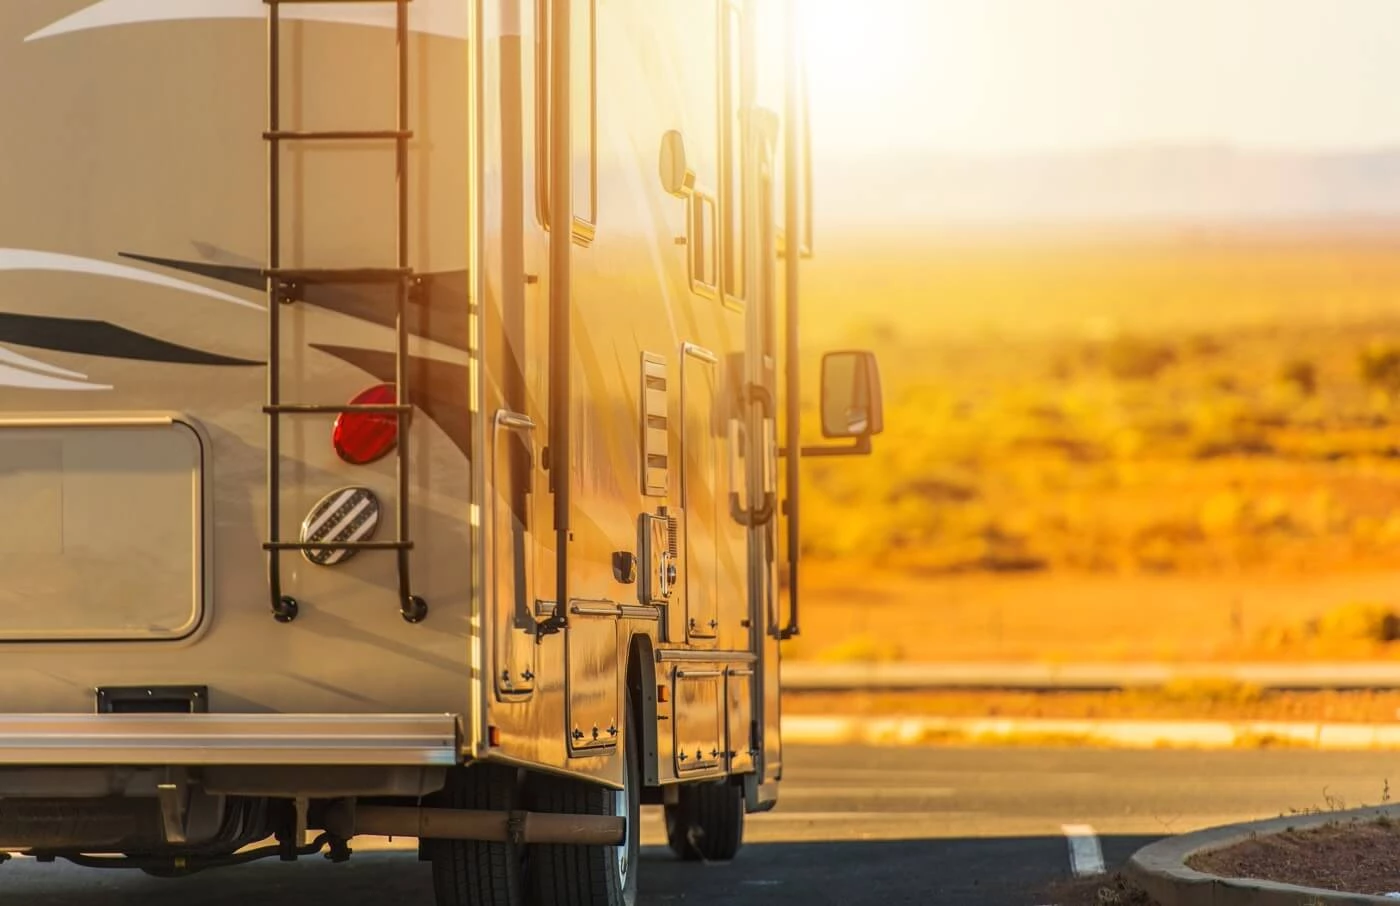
274,306
410,606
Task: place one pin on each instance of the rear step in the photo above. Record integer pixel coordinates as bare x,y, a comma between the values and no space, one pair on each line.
152,699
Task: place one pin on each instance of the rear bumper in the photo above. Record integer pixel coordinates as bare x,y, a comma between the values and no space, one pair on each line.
423,740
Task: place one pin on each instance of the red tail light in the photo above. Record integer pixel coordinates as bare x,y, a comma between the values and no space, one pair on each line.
360,438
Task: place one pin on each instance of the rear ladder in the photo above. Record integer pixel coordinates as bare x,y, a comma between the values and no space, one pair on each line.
284,286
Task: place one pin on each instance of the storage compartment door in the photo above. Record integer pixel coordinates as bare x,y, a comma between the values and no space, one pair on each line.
699,720
594,713
511,547
700,491
738,687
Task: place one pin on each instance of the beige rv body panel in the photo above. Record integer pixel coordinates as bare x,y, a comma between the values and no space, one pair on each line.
145,139
140,135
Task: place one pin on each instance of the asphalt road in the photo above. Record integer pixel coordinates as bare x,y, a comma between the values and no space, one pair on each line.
962,827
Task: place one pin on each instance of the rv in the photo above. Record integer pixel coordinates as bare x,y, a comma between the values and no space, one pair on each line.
399,430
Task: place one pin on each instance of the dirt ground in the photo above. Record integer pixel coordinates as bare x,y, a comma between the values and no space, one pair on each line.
1354,857
849,614
1187,702
1113,890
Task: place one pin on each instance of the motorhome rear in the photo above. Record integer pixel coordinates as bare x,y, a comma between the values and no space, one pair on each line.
399,430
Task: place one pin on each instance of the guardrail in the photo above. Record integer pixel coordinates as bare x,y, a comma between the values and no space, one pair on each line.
813,676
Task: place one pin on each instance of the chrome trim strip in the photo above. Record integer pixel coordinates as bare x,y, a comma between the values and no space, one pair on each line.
699,352
228,739
83,420
477,736
700,767
641,612
689,654
595,610
514,421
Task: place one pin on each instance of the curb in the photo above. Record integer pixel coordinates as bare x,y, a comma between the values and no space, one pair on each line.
1160,869
1146,734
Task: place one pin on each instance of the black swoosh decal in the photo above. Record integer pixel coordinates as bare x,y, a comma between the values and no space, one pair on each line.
101,338
248,277
438,388
437,312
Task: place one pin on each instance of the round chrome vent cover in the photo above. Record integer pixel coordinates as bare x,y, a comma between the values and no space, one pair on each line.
343,516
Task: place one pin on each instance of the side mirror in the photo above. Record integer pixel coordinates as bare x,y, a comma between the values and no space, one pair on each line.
852,403
676,176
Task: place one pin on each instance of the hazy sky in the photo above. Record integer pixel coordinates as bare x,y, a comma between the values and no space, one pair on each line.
1013,75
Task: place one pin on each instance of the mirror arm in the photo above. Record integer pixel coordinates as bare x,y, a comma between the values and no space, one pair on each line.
861,447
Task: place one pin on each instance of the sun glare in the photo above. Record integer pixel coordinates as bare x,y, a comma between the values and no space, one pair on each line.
867,63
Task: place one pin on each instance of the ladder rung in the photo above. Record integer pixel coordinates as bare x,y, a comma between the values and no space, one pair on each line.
316,409
337,546
339,275
329,135
294,2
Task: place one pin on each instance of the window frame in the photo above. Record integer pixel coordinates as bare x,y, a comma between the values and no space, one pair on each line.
705,264
733,231
585,229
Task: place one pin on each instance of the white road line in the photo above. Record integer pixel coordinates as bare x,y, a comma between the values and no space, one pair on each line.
1085,854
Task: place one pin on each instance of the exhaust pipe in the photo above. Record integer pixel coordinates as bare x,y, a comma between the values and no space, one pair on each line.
346,820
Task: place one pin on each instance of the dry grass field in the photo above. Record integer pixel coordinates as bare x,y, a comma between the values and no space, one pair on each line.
1171,446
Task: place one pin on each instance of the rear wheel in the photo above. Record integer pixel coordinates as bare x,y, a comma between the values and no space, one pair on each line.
476,873
572,875
707,822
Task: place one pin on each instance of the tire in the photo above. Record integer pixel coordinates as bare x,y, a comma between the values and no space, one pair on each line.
707,823
571,875
470,872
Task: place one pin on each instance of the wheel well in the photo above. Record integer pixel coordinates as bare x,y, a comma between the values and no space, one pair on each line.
641,696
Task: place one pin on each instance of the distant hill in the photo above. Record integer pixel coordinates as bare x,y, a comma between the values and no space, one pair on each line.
1158,185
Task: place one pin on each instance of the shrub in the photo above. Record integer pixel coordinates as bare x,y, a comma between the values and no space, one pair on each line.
1062,367
1358,622
1301,375
1380,367
1224,383
1131,358
1206,690
934,489
1205,346
1227,428
1164,546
